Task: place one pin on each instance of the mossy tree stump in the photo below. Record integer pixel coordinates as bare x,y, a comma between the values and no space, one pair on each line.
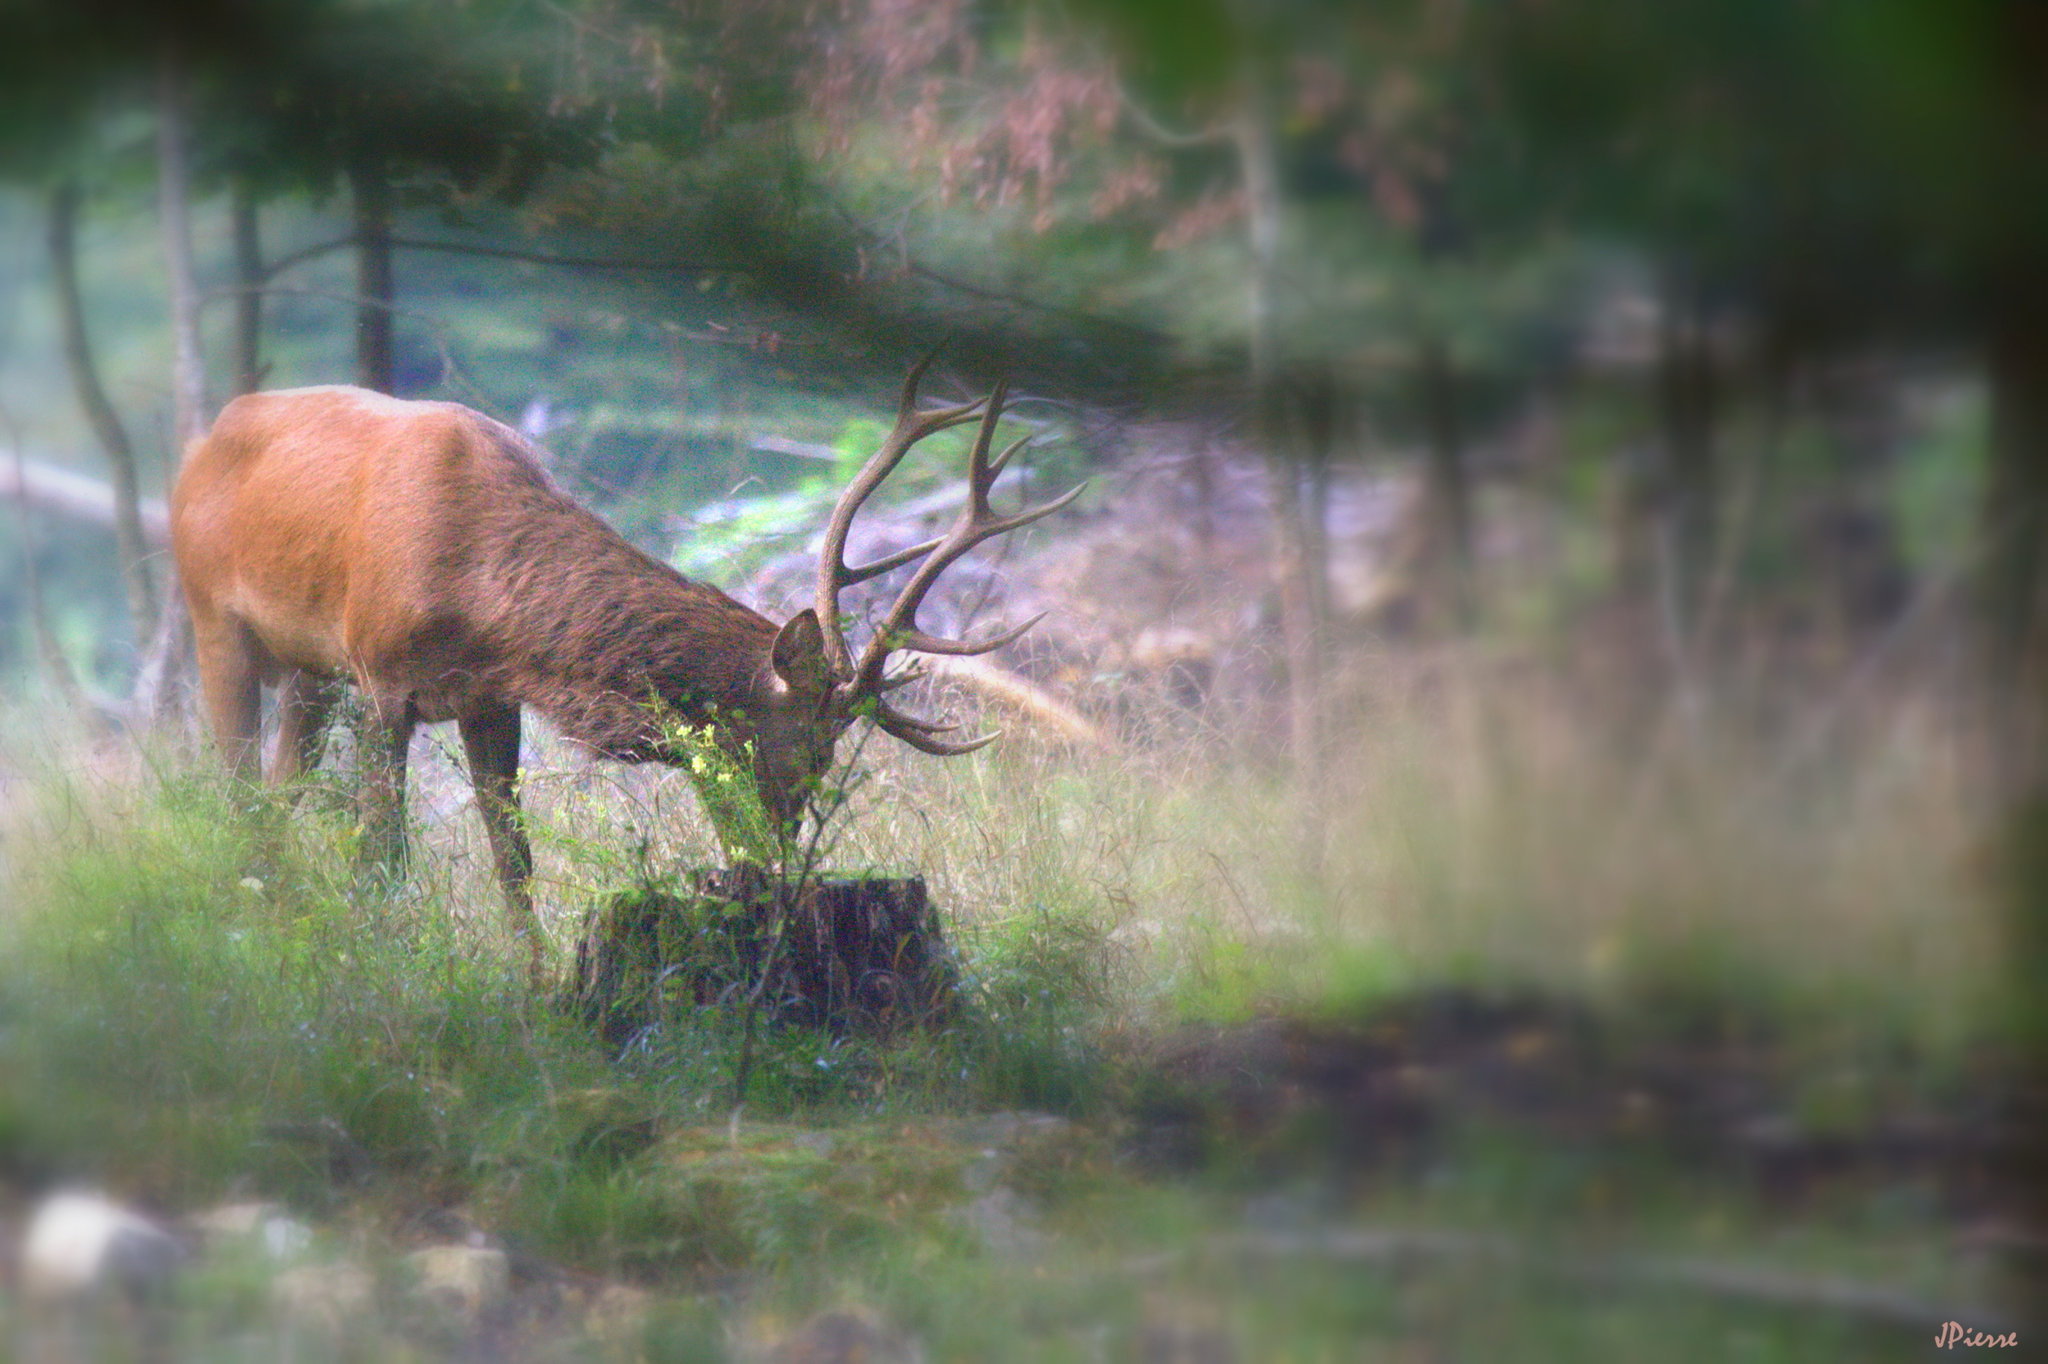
856,955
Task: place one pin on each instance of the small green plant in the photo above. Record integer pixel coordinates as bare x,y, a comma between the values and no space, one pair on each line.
781,862
727,792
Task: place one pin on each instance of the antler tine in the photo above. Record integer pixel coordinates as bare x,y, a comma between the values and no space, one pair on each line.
963,648
911,427
979,477
885,711
1002,461
913,673
875,569
912,732
978,522
1025,518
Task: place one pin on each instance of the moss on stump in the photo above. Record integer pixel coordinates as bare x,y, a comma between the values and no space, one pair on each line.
856,955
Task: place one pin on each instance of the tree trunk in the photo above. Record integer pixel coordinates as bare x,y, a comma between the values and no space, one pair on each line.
248,286
1293,535
56,667
164,652
370,187
188,372
1320,410
1686,403
1448,492
99,411
2013,590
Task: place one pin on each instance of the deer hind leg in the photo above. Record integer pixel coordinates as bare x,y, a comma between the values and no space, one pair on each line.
490,736
230,679
304,702
385,738
230,676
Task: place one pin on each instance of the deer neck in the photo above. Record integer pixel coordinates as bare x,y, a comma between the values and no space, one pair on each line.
615,643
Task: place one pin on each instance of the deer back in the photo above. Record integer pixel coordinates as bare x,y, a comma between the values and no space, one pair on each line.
422,549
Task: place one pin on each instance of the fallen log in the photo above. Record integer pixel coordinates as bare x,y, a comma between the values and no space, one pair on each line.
53,488
1009,690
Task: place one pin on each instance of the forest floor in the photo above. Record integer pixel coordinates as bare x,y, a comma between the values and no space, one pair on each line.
1602,1031
1444,1173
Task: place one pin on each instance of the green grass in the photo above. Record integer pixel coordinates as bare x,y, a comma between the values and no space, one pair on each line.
195,999
178,1007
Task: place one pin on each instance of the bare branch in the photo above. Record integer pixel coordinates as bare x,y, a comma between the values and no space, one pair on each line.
301,256
318,249
1215,135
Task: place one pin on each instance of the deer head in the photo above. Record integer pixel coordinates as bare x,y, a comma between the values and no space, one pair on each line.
823,687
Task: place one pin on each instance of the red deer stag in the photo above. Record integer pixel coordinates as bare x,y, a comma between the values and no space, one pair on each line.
419,550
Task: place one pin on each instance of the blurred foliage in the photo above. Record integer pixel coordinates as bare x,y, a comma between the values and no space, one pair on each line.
1058,188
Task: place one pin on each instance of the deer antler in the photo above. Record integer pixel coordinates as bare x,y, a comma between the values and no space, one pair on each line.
863,682
911,427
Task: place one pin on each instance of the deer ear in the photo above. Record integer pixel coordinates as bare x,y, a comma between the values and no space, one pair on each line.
799,652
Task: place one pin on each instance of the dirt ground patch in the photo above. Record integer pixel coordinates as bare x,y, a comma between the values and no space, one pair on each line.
1388,1087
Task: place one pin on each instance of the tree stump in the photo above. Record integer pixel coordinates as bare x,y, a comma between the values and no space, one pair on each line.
856,955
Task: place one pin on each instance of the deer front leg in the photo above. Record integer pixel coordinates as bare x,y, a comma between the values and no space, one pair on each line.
386,736
490,736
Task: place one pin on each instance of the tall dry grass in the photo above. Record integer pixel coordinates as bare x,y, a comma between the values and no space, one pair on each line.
1490,822
1486,823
